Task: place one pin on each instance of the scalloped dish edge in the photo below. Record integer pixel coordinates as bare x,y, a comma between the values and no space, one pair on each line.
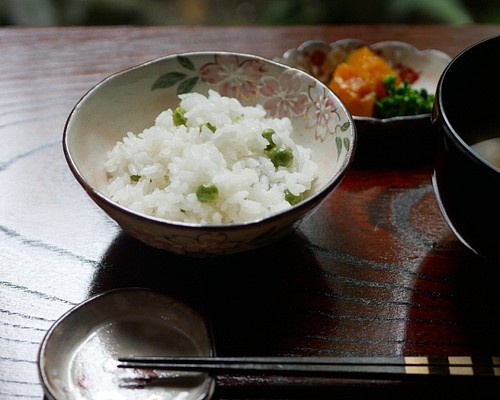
320,58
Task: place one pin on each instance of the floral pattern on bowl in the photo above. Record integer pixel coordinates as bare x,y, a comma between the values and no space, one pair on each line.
281,96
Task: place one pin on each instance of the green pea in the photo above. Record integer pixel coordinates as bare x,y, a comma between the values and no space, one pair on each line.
207,193
293,199
268,135
135,178
281,156
178,116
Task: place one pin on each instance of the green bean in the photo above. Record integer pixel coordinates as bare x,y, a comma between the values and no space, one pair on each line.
178,116
281,156
209,126
207,193
268,135
293,199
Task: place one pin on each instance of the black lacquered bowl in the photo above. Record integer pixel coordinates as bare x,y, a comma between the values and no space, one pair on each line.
466,182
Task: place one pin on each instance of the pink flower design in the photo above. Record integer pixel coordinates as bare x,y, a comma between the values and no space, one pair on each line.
317,63
284,95
322,113
232,77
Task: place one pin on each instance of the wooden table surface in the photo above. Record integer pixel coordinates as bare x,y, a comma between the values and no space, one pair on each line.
376,271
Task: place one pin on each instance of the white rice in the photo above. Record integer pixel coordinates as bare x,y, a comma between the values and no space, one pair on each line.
158,171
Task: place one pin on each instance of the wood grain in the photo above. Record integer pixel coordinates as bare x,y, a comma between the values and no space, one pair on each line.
375,271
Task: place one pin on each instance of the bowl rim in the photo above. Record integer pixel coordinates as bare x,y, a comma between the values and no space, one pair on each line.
109,297
303,207
454,135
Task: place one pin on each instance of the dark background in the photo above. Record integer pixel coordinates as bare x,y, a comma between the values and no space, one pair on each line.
244,12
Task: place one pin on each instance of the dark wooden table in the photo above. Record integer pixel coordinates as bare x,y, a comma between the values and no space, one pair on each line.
376,271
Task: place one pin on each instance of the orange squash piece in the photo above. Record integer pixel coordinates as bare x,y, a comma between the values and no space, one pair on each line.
359,80
354,89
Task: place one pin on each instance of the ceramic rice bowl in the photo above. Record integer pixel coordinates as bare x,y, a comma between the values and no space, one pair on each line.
131,100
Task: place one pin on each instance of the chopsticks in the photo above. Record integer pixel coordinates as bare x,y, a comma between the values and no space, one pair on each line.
326,367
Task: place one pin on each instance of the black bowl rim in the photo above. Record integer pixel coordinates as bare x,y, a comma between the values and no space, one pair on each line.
455,136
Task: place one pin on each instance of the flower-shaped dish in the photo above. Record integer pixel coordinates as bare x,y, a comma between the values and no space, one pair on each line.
405,139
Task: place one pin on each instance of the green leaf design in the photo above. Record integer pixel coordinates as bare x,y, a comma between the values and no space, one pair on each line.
185,62
338,141
187,85
345,126
347,143
167,80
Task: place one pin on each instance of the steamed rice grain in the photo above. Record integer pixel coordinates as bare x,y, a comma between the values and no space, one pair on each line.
157,172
